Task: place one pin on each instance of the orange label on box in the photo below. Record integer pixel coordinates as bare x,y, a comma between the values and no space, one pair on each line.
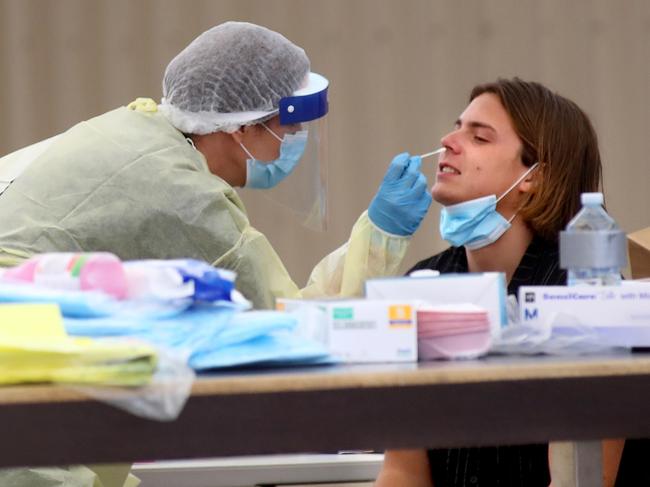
400,315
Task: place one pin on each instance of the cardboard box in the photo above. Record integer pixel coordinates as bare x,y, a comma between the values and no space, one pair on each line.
639,249
359,330
616,315
487,290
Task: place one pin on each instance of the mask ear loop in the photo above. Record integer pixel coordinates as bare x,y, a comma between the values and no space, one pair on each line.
519,180
271,132
246,151
514,185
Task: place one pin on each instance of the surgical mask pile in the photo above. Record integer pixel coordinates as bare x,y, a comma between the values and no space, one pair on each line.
476,223
265,175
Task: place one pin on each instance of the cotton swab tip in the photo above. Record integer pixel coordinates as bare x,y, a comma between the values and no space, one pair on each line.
429,154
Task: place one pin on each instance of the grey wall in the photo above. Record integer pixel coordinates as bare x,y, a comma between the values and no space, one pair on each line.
400,73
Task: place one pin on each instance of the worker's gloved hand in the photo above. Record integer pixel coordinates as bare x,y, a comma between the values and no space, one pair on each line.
402,199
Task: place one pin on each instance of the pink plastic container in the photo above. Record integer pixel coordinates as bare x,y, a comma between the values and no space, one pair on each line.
99,271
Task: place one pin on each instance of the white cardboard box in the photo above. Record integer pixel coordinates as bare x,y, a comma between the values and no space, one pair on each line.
359,330
619,315
487,290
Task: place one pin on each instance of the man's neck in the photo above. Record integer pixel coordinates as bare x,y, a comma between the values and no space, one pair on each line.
503,255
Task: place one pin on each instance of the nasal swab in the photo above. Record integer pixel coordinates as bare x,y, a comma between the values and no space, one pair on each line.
437,151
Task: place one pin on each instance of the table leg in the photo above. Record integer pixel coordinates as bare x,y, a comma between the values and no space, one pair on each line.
588,458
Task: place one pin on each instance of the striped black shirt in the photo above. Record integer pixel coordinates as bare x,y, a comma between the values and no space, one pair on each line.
503,466
633,469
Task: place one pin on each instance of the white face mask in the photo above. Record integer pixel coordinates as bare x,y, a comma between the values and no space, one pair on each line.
476,223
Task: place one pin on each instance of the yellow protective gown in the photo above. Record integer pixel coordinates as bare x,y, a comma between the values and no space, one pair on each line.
128,182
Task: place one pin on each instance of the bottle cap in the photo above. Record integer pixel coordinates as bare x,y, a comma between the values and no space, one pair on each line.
591,199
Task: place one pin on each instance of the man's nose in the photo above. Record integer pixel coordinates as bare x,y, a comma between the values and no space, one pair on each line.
451,142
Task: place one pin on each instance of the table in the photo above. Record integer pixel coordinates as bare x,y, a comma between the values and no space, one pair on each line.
498,400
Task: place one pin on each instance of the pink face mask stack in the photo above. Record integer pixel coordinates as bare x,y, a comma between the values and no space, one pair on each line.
452,331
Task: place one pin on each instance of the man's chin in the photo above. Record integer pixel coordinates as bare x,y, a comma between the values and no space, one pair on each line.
442,197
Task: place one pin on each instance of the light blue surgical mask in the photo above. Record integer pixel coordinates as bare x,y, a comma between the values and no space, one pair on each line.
476,223
265,175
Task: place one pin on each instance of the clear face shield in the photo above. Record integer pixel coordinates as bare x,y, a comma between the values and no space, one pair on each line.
304,191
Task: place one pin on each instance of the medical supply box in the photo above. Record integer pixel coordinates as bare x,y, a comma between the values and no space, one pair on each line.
487,290
359,330
616,315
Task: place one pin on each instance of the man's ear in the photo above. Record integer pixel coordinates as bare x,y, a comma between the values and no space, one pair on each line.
532,180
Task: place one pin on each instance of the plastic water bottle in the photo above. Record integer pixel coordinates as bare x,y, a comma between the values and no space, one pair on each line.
101,271
592,248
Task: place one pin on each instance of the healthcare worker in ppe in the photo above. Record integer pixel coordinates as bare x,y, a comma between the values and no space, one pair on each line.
240,108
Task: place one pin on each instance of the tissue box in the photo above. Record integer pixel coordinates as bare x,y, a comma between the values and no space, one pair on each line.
359,330
487,290
639,248
618,315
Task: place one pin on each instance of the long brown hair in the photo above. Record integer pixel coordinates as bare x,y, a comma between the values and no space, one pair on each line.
556,133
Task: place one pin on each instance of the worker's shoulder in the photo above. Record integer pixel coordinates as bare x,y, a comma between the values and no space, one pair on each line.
138,131
124,140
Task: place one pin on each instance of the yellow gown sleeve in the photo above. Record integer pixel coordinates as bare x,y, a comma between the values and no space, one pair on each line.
368,253
262,276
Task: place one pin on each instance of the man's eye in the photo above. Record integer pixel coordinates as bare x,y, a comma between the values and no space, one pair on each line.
480,139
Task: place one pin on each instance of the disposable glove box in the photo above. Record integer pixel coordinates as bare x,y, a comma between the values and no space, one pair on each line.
613,315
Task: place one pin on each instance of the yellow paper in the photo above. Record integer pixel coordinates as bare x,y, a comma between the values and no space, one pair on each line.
30,321
34,347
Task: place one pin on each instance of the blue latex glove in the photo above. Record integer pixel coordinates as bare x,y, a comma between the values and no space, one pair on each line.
402,199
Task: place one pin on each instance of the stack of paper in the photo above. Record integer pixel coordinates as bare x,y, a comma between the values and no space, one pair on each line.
34,347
